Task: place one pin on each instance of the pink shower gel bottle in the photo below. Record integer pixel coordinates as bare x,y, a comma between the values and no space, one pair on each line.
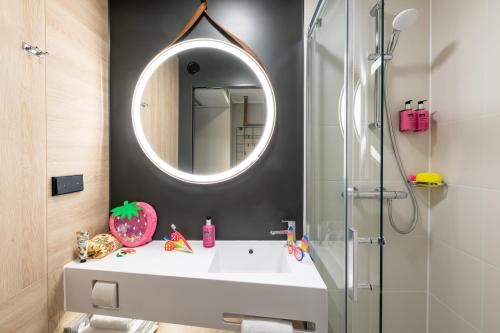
407,119
422,115
208,233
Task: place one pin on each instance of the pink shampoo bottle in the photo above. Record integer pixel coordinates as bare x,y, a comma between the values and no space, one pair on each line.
208,231
407,118
423,117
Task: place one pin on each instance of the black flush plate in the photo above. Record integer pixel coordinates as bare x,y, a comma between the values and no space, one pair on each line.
67,184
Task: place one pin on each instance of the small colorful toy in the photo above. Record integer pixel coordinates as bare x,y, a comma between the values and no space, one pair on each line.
169,245
289,235
296,251
300,251
82,238
124,252
133,224
182,245
304,243
101,245
180,242
174,236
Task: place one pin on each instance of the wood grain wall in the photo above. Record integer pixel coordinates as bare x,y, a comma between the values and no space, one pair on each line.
23,261
53,121
160,111
77,132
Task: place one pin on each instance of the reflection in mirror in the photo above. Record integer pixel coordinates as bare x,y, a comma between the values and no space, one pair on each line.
160,111
203,111
227,125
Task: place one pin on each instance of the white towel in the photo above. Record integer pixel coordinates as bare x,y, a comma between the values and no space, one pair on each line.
114,323
149,327
261,325
134,328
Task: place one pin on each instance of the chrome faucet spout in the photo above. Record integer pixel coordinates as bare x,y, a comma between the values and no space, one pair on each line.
290,223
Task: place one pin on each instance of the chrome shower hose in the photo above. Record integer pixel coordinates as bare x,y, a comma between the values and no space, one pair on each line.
395,149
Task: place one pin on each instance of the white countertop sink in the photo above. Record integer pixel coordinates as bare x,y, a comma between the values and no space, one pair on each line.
250,258
247,278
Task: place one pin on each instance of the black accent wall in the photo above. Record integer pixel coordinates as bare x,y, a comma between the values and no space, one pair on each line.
248,206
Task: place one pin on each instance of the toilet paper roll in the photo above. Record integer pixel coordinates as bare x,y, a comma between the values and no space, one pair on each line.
105,294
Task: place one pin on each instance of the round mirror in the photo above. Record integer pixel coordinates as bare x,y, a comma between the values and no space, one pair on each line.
203,111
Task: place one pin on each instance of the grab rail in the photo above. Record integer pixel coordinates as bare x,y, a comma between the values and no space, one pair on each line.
375,194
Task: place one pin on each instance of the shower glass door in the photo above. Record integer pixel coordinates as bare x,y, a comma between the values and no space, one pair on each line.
344,159
325,154
364,124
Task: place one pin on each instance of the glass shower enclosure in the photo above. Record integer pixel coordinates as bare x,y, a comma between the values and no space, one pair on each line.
344,159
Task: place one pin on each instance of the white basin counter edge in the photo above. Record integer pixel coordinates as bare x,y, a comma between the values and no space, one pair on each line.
178,287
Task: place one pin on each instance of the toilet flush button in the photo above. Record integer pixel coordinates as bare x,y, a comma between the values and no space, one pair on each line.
105,295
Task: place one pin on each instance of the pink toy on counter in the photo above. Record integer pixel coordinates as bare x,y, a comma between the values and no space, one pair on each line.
133,224
179,240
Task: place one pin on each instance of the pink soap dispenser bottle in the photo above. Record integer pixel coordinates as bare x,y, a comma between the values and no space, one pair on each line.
208,231
423,117
407,118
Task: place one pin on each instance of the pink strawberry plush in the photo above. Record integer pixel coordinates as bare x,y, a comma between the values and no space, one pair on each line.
133,224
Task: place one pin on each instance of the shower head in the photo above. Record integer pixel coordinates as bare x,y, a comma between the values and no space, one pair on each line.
405,19
401,22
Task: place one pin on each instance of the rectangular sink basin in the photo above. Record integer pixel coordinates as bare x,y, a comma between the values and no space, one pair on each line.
250,258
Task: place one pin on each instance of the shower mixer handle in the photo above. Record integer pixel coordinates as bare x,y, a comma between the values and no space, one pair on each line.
375,194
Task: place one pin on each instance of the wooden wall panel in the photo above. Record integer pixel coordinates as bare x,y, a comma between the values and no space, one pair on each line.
22,168
77,132
27,311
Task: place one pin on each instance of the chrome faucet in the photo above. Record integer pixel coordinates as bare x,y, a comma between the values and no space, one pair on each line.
290,223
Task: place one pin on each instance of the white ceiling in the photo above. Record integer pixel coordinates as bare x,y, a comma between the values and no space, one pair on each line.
254,95
211,97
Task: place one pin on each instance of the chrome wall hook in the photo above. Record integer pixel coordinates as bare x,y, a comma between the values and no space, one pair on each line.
35,50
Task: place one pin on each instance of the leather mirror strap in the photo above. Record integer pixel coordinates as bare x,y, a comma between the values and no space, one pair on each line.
234,39
191,23
202,10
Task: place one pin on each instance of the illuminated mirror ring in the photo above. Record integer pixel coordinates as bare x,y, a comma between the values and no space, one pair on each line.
270,110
